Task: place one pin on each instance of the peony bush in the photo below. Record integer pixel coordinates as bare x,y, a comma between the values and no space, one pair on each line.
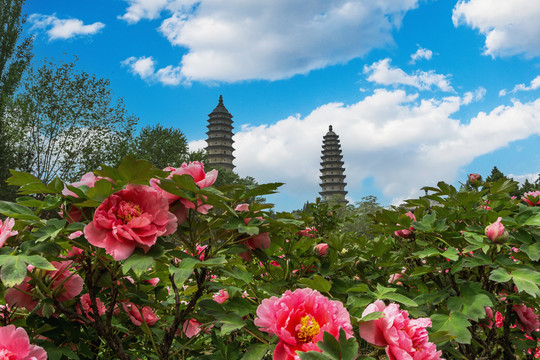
136,262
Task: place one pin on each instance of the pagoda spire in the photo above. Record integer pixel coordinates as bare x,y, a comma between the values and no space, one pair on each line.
219,149
332,170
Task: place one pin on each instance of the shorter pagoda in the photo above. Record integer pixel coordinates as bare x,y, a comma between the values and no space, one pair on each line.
332,170
219,149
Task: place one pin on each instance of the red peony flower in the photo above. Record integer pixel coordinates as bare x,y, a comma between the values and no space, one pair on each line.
528,320
299,320
406,233
15,345
131,218
86,305
322,249
6,230
139,315
64,284
308,232
403,338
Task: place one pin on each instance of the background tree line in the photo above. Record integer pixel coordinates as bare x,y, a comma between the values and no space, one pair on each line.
58,120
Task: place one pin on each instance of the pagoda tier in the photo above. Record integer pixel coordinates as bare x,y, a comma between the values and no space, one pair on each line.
332,170
219,148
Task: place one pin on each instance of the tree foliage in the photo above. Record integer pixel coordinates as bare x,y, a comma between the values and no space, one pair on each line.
68,122
161,146
15,55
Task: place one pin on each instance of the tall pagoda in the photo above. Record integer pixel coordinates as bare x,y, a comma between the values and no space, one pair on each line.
332,170
219,149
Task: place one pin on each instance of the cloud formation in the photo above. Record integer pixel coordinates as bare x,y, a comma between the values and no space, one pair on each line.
63,28
511,27
393,137
382,73
232,41
420,54
145,68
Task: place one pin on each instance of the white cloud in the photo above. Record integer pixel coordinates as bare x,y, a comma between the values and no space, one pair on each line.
145,68
63,28
535,84
400,141
152,9
522,177
511,27
240,40
421,53
382,73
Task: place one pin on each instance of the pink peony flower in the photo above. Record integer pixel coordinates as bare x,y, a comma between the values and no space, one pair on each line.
496,231
532,198
131,218
528,320
394,277
322,249
15,345
308,232
406,233
489,317
138,315
196,170
299,320
6,230
191,328
261,241
221,296
403,338
64,284
86,305
88,179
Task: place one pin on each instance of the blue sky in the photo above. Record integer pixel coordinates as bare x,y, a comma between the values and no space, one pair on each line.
418,90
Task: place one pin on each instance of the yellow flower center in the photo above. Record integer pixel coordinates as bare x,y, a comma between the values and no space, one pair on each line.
309,328
127,211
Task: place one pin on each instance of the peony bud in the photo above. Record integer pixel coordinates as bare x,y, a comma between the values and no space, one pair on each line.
322,249
532,198
475,179
496,231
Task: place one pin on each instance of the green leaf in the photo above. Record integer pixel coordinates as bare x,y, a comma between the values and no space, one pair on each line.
330,346
183,271
372,316
533,221
101,190
229,322
17,211
527,280
313,355
240,274
451,254
399,298
426,253
20,178
13,270
455,324
440,337
256,352
38,261
250,230
211,262
500,275
52,228
472,301
135,171
317,283
532,250
264,189
185,182
139,263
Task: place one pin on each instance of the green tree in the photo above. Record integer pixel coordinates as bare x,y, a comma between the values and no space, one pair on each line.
495,175
161,146
69,122
15,55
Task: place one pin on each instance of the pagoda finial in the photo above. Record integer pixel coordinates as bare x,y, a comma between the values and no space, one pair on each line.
221,99
330,128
